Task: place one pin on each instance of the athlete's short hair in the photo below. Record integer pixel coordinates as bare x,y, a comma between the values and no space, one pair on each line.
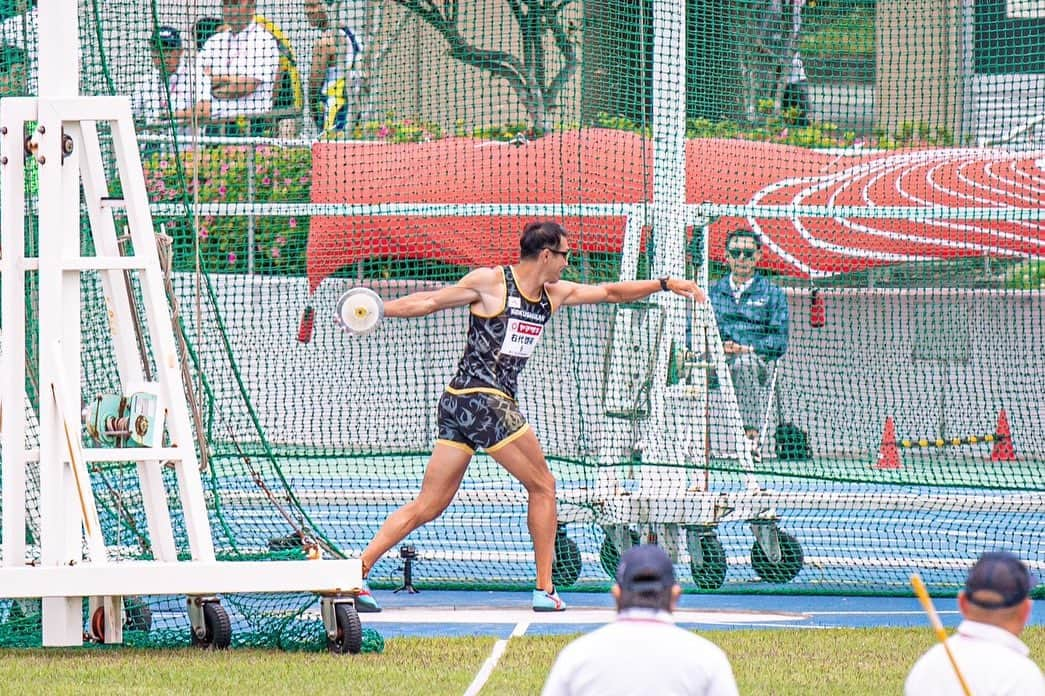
540,235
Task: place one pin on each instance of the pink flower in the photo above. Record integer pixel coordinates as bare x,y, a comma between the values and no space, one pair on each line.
232,257
267,181
204,233
292,223
274,252
281,240
222,190
303,180
383,132
224,169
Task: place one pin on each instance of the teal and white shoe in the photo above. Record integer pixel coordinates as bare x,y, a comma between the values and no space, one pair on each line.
547,601
365,602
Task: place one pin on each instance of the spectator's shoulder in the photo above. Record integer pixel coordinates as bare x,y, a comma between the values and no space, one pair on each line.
721,285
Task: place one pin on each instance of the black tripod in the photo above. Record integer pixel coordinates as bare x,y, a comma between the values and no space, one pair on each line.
408,554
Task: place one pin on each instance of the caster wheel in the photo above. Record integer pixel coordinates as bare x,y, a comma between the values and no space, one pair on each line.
349,631
566,567
783,570
217,633
98,625
136,617
707,558
609,554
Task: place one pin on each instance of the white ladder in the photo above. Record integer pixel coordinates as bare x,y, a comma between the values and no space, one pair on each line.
66,145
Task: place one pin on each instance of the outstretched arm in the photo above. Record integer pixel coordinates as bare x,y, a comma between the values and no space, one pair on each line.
466,291
567,293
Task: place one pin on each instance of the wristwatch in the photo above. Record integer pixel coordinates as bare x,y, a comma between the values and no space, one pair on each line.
664,283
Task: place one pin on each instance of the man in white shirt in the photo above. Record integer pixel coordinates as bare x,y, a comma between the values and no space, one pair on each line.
241,62
171,92
643,651
996,606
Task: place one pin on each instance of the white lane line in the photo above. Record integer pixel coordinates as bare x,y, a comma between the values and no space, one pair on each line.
522,619
487,669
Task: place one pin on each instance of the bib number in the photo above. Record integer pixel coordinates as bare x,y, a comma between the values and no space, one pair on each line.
521,338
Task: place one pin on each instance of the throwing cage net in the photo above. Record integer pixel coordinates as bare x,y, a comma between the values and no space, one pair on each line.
886,154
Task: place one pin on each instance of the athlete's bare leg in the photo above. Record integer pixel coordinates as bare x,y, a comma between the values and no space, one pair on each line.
524,459
443,477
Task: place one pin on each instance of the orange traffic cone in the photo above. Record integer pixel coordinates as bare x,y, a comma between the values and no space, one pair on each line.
1003,450
888,453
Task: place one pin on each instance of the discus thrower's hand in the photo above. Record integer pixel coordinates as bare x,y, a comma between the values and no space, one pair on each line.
687,288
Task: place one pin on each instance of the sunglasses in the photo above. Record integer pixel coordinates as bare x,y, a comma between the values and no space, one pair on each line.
747,252
563,254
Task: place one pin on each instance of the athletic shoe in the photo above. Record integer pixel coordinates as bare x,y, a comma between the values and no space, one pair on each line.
547,601
365,602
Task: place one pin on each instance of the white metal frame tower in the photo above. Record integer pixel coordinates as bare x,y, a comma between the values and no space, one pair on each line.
66,146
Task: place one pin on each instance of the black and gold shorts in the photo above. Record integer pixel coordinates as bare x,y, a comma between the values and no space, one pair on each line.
472,419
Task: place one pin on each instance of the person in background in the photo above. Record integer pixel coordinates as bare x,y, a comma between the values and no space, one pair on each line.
753,322
171,92
643,651
333,80
995,606
241,62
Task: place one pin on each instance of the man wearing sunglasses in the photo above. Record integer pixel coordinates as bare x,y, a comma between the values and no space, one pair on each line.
752,319
508,308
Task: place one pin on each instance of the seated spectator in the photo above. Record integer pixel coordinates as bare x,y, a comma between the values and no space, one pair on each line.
643,651
171,92
333,81
241,63
995,607
753,320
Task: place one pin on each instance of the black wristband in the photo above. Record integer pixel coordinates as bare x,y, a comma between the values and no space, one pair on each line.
663,283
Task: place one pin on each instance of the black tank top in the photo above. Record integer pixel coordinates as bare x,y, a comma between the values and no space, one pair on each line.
499,345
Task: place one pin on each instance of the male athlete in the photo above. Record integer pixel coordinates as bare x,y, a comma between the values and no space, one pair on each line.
509,307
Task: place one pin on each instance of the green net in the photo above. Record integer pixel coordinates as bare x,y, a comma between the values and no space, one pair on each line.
885,153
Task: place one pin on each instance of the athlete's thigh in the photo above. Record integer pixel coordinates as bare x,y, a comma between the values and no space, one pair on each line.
444,473
523,458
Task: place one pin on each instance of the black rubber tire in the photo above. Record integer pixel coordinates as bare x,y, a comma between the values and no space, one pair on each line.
566,567
609,554
349,631
791,560
218,628
710,573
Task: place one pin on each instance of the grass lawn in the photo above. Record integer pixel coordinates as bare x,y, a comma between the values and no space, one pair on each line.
766,662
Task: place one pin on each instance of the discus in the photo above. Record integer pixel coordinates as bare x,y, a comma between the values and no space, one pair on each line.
358,311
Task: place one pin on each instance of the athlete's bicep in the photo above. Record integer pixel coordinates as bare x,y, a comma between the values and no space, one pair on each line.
454,296
568,293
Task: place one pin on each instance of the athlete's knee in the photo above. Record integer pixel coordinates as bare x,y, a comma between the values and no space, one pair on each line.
424,510
542,483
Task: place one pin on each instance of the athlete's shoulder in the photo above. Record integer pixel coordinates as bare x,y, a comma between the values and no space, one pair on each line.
483,276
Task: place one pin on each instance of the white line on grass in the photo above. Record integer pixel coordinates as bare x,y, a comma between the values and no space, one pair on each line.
487,669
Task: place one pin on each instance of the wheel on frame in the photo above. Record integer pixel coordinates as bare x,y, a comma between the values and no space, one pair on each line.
786,568
707,558
136,617
217,633
566,567
609,554
349,631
